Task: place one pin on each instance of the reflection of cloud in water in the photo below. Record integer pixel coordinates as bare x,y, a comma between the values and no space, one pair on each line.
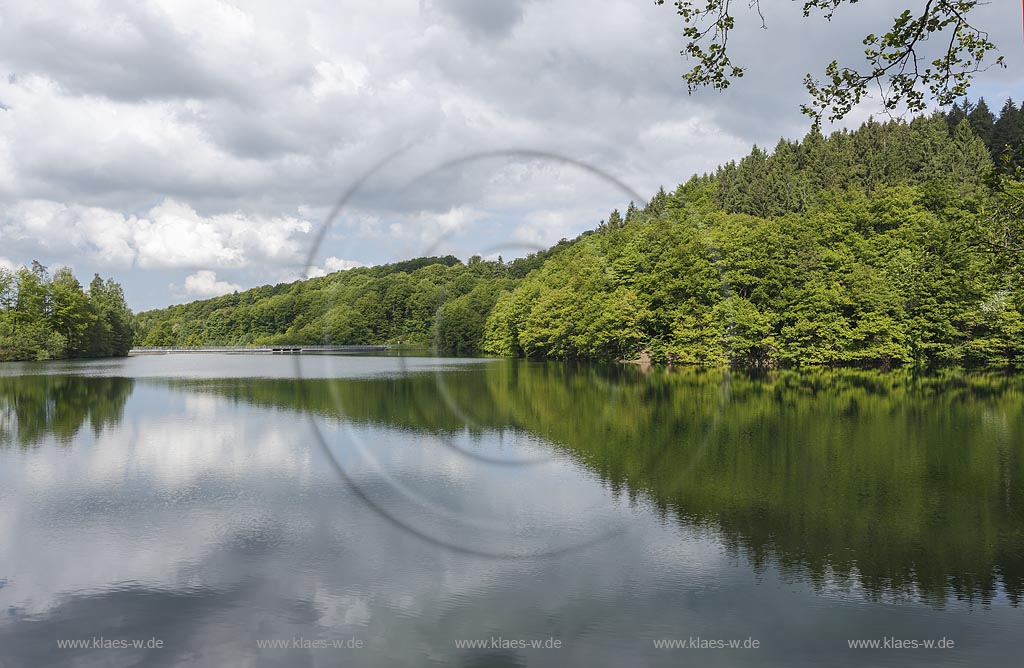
211,567
174,452
194,491
209,519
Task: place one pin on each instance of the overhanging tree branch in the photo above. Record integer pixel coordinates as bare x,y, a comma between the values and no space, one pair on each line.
896,61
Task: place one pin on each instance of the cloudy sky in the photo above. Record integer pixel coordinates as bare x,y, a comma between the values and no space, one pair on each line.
189,149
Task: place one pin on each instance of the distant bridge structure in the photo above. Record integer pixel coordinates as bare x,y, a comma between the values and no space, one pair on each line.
252,350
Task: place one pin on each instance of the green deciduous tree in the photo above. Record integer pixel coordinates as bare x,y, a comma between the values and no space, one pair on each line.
900,62
44,318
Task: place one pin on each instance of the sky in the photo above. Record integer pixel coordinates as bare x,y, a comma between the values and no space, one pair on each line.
191,148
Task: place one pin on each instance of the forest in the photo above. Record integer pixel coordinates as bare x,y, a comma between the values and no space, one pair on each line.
898,244
44,317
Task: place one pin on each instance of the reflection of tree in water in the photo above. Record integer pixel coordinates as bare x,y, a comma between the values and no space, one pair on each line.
33,408
903,487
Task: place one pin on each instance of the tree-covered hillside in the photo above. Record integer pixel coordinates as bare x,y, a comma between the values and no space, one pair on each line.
44,317
395,303
897,244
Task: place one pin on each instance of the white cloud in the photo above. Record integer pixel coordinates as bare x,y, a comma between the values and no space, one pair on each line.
204,283
170,235
457,218
70,230
339,264
178,236
333,264
544,229
175,235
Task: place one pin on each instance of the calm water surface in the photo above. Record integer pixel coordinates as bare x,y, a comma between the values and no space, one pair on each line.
219,504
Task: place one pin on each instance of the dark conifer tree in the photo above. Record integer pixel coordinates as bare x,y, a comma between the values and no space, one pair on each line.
955,115
630,212
982,122
658,203
1008,136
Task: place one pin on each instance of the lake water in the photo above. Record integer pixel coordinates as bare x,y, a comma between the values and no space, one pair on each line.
386,511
